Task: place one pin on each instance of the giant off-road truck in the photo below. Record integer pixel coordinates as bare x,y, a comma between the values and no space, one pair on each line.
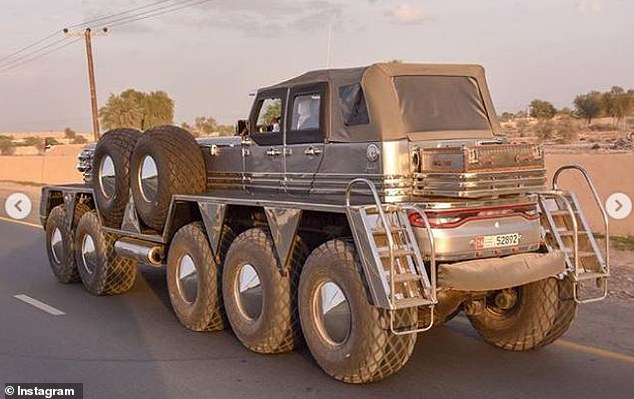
353,210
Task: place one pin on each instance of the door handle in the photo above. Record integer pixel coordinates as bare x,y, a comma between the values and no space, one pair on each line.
272,152
312,151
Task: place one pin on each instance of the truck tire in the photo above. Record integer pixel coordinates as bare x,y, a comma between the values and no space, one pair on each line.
166,161
194,278
259,299
102,272
353,344
60,243
528,323
566,312
111,173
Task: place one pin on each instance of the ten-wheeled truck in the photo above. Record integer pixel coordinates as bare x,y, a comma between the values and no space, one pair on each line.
354,209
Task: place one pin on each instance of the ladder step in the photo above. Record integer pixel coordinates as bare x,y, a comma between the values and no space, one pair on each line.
385,253
563,212
405,277
581,254
569,233
411,302
591,276
393,229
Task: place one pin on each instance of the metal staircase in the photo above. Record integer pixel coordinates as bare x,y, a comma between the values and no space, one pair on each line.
567,229
391,257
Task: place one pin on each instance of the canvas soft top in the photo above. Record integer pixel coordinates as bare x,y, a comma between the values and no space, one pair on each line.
386,110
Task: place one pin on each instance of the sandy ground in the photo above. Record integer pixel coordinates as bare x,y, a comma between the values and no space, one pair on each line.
621,283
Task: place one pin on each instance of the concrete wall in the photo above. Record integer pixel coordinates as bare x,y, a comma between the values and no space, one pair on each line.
610,172
40,169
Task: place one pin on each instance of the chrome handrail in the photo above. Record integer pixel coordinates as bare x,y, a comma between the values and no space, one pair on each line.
390,239
597,199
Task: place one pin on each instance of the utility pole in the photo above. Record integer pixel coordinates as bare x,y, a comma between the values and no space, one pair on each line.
88,34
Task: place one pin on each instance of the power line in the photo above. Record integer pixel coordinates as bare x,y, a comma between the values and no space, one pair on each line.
39,41
153,13
31,53
106,17
11,67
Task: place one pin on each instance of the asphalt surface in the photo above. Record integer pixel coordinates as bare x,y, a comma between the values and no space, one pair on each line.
6,189
133,346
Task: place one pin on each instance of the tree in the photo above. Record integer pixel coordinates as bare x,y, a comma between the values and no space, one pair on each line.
205,126
80,140
542,109
6,145
69,134
137,109
36,142
588,106
616,103
544,130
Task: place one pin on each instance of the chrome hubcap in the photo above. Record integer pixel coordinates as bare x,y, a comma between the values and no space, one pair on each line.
250,294
57,246
148,179
88,254
187,279
107,177
332,313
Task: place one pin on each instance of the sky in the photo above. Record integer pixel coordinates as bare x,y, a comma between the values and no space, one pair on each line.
208,58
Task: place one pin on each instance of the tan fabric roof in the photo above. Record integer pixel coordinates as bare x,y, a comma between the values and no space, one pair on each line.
386,121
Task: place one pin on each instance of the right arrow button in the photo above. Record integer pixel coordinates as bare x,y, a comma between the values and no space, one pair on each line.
618,206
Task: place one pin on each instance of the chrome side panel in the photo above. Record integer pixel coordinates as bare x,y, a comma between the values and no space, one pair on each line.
213,217
283,223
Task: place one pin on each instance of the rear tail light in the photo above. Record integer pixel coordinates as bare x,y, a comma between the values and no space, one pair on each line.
457,217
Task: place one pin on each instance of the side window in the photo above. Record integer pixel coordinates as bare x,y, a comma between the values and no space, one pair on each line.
306,112
270,116
353,106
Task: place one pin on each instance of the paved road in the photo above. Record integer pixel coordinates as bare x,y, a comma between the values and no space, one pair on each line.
133,346
6,189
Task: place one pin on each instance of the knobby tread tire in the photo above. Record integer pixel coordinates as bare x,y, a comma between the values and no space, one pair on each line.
119,145
277,329
207,312
181,170
566,312
113,274
530,325
66,270
370,352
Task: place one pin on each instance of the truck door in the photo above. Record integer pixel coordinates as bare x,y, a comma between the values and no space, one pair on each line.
304,137
264,159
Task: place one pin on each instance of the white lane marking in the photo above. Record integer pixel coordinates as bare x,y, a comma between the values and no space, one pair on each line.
40,305
20,222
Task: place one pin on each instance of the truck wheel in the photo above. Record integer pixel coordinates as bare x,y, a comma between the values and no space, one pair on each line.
523,323
194,278
166,161
259,299
111,173
60,245
348,337
102,272
566,312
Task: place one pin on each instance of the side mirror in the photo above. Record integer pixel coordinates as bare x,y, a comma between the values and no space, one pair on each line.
241,127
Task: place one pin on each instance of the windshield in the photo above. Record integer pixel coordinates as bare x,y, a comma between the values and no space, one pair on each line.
440,103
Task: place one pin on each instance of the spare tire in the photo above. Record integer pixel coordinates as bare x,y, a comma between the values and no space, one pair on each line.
166,161
111,173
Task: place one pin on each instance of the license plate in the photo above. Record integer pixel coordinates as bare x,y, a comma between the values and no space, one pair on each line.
497,241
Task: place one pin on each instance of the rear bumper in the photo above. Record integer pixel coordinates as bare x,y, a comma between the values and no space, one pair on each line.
499,273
